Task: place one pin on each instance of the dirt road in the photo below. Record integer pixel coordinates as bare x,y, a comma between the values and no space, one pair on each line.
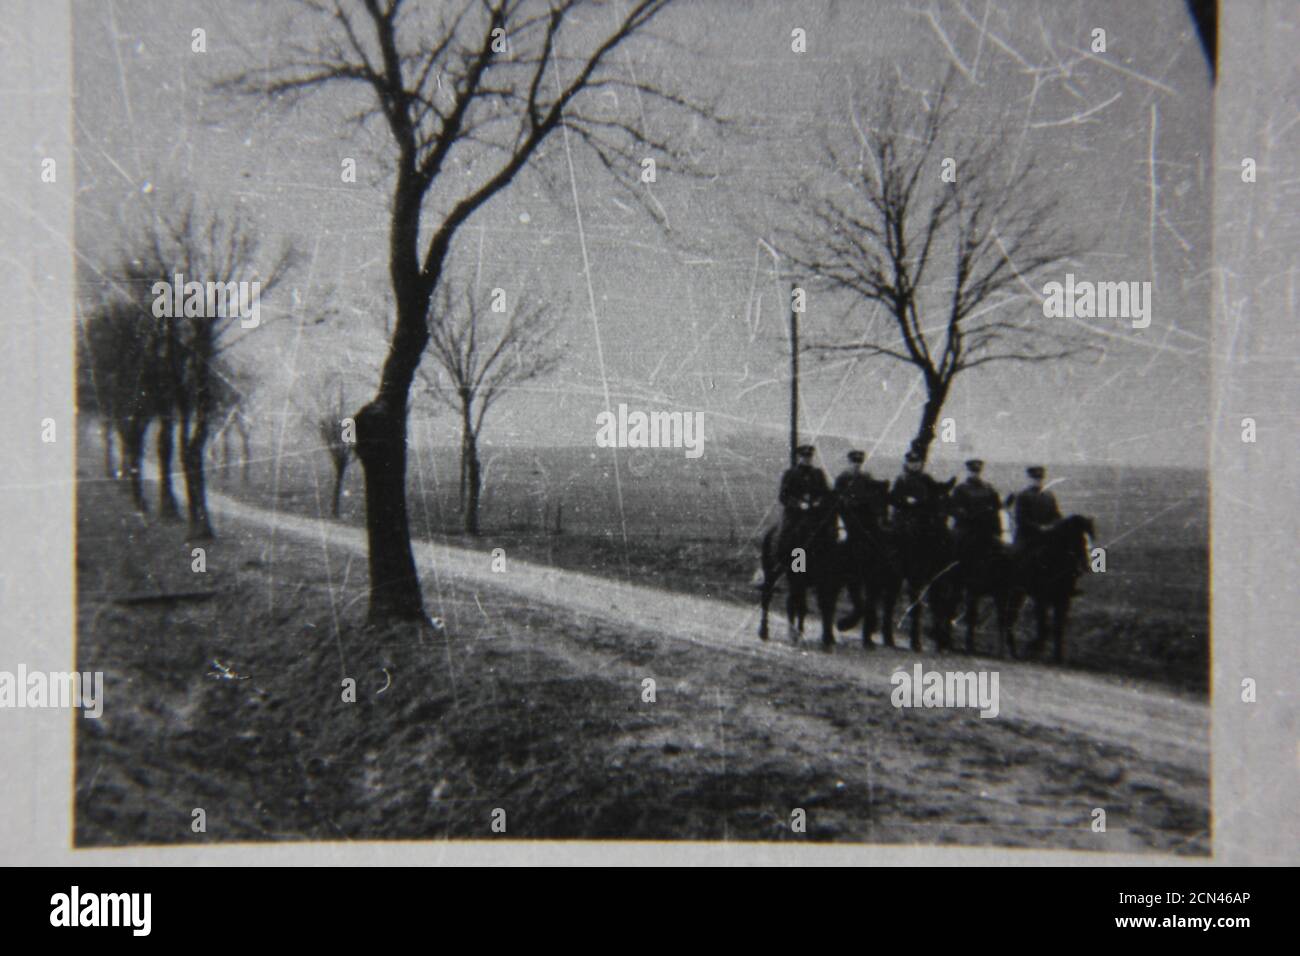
1155,724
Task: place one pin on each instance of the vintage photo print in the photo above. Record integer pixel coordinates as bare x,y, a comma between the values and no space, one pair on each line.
636,420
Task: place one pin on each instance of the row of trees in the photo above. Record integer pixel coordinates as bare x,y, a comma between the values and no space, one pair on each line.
138,368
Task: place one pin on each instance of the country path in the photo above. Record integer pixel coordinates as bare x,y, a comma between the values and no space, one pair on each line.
1157,725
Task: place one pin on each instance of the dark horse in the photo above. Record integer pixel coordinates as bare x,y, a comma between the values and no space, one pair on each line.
927,563
986,569
1045,570
870,564
803,550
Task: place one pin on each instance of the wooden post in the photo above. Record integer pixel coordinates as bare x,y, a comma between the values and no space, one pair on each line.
794,378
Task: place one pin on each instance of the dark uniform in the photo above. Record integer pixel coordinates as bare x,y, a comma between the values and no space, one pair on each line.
975,507
803,488
862,500
1036,511
918,501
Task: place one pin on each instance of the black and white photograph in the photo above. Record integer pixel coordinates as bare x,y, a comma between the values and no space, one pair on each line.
656,421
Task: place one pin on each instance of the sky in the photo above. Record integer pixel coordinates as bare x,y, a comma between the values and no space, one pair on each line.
692,317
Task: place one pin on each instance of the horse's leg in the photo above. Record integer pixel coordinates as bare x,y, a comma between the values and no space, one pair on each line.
916,611
869,597
972,611
802,606
792,608
852,585
1000,610
828,592
942,604
888,604
1013,599
1040,621
1059,612
766,599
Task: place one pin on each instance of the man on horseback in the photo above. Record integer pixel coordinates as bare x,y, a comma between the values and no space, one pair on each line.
801,549
918,499
863,501
1036,509
924,546
976,507
804,487
977,512
1049,555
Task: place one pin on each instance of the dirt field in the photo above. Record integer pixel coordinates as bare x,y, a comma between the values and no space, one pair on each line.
233,704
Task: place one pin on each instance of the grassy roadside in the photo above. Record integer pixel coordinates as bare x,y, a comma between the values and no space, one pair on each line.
509,712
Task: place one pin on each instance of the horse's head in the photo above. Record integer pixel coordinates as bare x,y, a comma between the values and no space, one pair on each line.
1080,525
1079,532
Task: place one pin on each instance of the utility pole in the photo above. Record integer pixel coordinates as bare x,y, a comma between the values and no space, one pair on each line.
794,378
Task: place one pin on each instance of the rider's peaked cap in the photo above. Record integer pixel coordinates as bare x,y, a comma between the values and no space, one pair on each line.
804,450
974,464
857,456
1035,471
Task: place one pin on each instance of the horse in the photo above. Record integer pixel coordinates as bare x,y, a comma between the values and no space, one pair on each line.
927,564
1046,570
870,570
985,569
803,549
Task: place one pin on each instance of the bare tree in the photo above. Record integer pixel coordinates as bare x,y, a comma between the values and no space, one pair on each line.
119,363
482,356
332,427
135,274
941,236
234,395
216,249
92,389
469,92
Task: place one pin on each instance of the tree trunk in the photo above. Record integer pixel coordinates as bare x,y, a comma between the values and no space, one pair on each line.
167,508
381,446
937,394
464,461
473,488
132,437
193,447
471,473
106,434
381,425
340,470
244,442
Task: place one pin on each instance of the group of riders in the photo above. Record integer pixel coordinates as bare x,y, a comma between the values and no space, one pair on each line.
942,540
919,503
